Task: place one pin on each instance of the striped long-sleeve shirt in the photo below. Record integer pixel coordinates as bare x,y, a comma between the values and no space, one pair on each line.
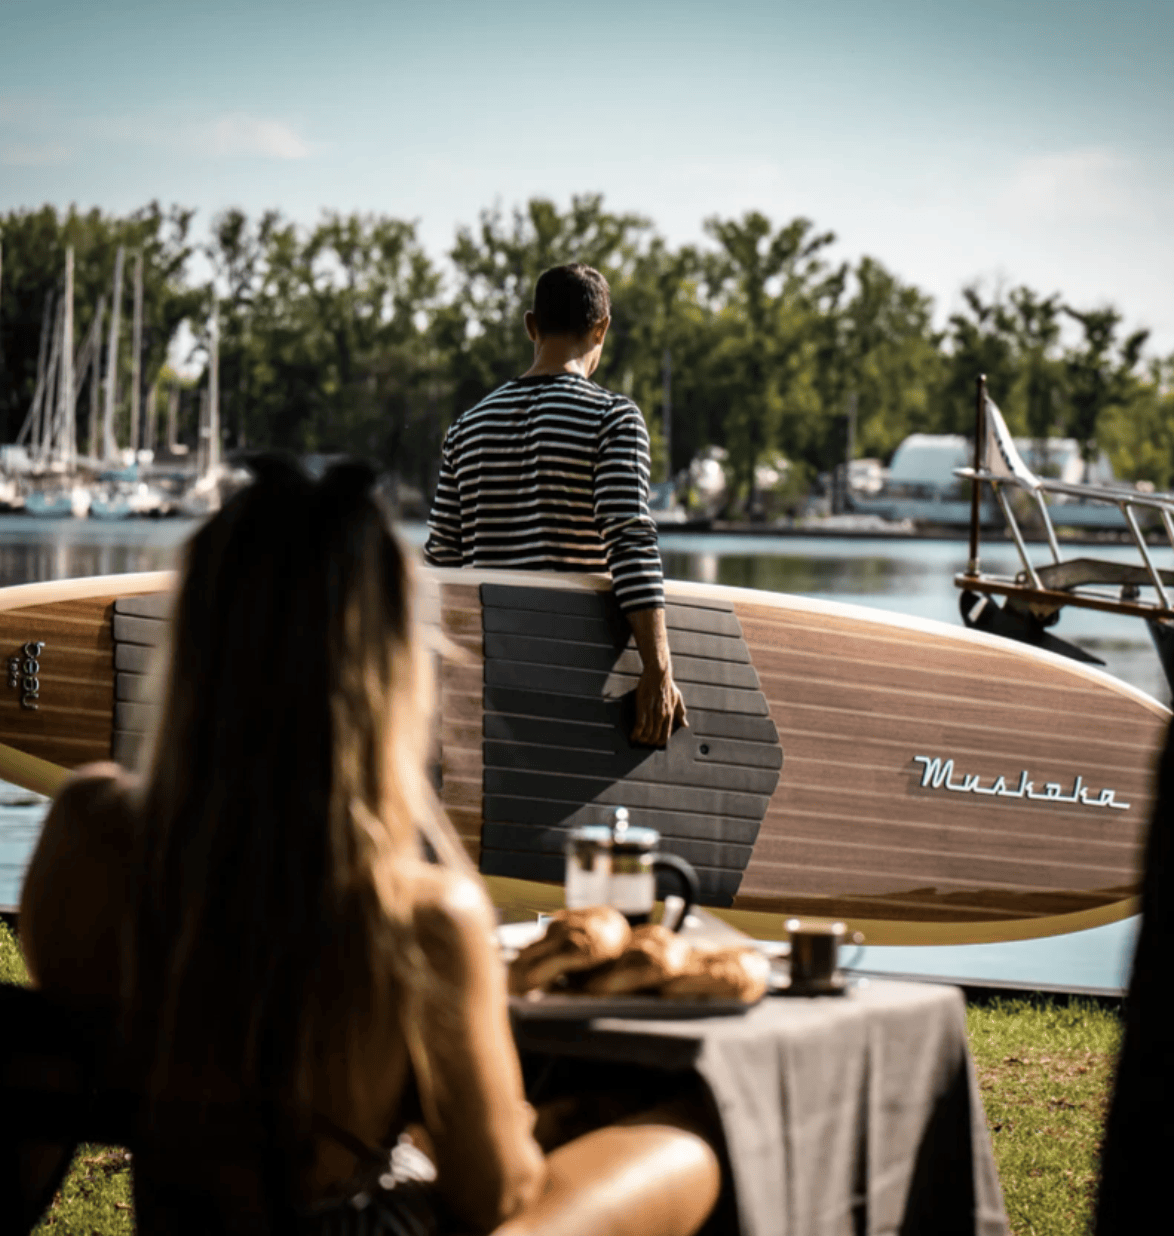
550,473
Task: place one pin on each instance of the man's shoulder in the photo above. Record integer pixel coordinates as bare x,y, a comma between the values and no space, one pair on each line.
528,396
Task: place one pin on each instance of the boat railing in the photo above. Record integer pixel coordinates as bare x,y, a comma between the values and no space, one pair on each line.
1083,582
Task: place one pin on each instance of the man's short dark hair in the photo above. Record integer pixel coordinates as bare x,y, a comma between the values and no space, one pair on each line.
570,300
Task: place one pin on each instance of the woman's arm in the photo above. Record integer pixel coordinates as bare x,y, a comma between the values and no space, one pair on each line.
489,1165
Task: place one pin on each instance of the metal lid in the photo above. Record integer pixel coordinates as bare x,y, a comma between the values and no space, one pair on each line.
635,839
600,834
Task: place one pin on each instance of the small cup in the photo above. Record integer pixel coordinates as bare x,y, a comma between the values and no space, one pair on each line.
815,950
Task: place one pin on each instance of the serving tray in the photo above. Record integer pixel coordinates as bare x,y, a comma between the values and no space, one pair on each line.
576,1006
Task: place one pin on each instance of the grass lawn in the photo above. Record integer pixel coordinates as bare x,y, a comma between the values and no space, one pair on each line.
1046,1072
1044,1068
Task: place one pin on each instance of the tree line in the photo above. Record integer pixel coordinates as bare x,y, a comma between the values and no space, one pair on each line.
348,336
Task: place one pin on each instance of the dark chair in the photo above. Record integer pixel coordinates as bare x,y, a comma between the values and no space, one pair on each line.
61,1084
53,1095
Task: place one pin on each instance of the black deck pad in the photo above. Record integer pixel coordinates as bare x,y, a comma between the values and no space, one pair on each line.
139,626
560,674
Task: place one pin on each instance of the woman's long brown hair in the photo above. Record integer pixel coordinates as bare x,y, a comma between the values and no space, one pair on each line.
286,787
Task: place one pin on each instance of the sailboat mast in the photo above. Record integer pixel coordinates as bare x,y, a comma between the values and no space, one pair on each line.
152,413
109,445
214,393
66,443
95,378
43,428
136,365
172,418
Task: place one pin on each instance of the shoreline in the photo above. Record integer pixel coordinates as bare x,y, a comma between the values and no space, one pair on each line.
896,533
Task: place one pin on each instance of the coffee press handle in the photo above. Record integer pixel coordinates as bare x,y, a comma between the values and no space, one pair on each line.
684,873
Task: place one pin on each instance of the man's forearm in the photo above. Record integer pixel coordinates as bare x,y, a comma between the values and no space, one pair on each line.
652,640
658,702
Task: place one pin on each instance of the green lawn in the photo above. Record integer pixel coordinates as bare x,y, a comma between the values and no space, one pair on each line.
1045,1071
1044,1068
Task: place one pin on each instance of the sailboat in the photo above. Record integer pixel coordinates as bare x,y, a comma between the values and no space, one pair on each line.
49,432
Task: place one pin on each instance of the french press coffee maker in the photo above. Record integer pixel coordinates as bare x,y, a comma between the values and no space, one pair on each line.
618,865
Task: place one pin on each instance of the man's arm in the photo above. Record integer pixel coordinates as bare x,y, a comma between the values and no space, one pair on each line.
443,547
633,558
622,517
659,706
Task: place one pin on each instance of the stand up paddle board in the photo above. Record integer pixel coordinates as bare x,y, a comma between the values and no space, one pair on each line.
926,783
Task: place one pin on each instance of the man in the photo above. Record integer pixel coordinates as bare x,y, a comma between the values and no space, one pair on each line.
550,473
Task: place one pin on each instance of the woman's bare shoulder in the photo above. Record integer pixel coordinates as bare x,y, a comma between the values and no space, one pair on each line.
77,884
92,808
451,910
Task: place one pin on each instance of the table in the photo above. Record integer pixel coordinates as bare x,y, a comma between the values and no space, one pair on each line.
852,1114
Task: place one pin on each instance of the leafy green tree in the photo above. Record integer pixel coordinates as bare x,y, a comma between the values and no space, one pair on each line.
1036,395
1100,373
497,265
34,262
981,339
882,349
237,251
766,286
325,335
1139,435
659,324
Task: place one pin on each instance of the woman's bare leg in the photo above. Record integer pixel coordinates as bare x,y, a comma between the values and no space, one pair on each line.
653,1174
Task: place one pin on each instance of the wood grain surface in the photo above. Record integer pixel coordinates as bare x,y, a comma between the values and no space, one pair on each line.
850,831
72,722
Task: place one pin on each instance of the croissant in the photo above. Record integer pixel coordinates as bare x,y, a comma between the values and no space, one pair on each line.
653,956
574,940
731,973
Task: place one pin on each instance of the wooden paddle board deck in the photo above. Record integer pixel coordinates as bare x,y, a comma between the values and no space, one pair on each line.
927,783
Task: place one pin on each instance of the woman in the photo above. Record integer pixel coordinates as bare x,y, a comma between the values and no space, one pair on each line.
259,905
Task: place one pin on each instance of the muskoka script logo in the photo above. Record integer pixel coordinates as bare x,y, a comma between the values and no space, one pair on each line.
938,774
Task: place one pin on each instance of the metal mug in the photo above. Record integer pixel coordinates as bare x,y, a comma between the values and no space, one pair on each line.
815,948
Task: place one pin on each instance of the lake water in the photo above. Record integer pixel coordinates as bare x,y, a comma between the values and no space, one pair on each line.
899,574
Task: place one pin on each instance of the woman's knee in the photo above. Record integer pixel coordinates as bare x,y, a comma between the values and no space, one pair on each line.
644,1177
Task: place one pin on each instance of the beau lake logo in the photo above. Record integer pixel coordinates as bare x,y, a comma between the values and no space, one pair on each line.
938,774
24,673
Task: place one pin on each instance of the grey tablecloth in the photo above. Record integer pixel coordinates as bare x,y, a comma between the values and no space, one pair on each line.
854,1114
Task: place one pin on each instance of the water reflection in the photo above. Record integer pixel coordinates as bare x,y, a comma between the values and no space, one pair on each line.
872,574
908,576
33,550
903,575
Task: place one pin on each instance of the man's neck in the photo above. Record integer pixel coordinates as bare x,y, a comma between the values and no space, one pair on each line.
559,355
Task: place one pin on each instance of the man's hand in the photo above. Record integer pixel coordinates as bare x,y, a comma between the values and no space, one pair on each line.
659,707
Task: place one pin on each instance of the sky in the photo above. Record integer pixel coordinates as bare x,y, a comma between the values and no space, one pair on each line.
1001,141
